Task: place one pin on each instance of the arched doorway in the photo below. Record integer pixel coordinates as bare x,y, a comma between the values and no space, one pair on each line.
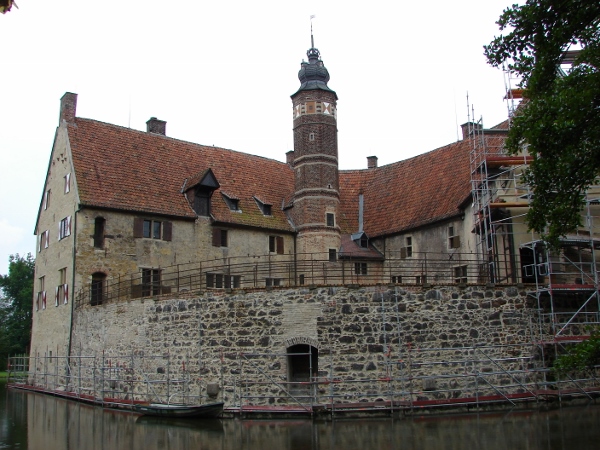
303,362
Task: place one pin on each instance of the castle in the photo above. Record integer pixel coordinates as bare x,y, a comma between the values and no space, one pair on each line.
131,215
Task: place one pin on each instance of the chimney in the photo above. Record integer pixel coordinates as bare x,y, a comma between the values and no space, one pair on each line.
289,157
68,108
469,127
156,126
371,162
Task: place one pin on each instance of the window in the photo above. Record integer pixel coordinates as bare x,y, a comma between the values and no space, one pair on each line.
152,229
276,244
332,255
264,207
99,224
272,282
47,199
396,279
407,250
301,279
150,282
460,274
44,240
330,219
364,241
421,279
97,295
232,203
453,239
219,238
220,281
62,290
41,295
64,228
360,268
311,137
67,183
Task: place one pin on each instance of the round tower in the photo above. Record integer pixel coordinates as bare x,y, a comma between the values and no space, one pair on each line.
316,196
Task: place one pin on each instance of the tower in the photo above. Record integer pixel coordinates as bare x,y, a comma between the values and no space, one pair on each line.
315,163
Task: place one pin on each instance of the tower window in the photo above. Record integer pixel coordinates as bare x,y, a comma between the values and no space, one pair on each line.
311,136
330,219
332,255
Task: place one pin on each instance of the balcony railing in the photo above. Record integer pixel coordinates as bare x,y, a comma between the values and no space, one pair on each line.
300,270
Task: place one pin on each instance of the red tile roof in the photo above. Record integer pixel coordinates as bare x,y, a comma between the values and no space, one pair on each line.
407,194
125,169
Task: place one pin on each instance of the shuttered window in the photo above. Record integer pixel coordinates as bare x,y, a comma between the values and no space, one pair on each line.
64,228
219,237
152,229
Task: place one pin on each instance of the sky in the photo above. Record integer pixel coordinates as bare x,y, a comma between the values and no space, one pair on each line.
221,73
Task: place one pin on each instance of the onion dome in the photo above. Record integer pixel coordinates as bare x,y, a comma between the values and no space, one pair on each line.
313,74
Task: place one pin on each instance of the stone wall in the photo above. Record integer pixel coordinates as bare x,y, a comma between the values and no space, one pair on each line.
376,343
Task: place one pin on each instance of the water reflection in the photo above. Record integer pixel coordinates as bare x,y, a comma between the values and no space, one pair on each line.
34,421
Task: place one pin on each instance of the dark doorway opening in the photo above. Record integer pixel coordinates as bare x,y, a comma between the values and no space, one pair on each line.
303,362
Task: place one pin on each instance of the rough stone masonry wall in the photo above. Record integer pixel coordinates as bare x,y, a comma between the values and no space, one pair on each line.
377,343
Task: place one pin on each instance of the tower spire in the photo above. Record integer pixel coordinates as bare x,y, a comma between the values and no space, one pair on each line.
312,40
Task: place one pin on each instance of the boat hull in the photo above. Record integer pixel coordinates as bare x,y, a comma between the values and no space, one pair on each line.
209,410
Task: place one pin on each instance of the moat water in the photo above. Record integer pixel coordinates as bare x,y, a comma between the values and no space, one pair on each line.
34,421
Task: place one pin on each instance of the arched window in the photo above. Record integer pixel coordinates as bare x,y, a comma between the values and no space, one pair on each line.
98,288
99,224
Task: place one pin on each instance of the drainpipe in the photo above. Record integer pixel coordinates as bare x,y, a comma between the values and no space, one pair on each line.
72,299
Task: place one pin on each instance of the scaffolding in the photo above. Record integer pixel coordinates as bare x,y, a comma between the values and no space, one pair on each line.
563,282
109,380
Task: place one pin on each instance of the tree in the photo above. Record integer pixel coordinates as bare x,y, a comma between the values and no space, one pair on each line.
559,123
581,358
16,296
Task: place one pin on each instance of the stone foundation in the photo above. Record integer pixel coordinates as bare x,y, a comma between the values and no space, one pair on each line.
368,344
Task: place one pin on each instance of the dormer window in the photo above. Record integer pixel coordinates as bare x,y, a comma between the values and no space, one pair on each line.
233,203
199,190
264,207
361,239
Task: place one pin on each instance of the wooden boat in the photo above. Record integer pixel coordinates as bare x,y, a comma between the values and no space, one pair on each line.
208,410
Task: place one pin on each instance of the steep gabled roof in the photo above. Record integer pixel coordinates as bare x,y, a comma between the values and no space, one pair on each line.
407,194
124,169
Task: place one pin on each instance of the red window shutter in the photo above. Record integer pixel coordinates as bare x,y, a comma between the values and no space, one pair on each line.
66,294
167,231
216,237
68,226
280,245
138,227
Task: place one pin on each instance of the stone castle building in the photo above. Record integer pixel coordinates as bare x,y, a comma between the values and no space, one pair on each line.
128,215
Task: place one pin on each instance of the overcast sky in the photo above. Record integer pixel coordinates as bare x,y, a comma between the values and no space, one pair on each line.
221,73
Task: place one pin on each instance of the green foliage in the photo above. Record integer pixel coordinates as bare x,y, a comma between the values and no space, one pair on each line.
16,297
559,124
580,358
